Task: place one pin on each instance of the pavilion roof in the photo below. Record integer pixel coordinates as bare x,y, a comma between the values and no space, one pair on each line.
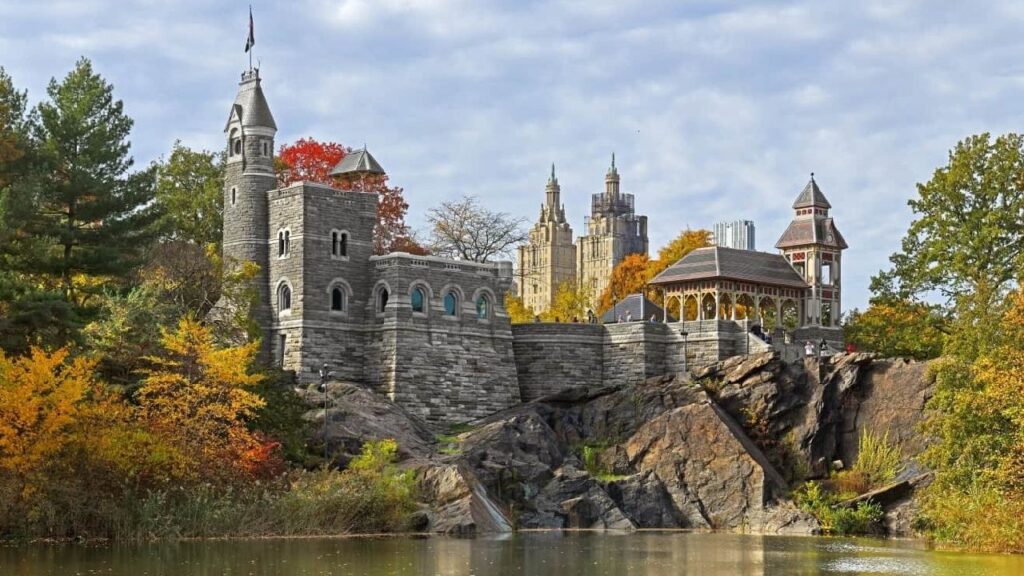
636,306
719,262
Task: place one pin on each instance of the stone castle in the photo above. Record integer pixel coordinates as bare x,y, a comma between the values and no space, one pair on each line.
551,258
432,333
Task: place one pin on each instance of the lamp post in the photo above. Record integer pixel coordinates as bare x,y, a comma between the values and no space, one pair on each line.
684,334
822,348
325,374
615,308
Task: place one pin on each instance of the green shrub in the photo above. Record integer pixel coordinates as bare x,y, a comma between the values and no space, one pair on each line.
835,518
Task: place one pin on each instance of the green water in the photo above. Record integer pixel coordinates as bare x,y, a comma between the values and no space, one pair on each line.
535,554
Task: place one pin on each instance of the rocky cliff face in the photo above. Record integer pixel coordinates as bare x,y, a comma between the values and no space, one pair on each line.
715,452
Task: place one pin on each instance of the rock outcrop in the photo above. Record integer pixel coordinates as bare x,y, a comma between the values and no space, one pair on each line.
714,452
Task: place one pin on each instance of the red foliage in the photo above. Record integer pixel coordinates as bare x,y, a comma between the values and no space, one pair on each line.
310,160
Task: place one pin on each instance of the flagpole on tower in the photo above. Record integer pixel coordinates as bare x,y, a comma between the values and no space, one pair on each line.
251,39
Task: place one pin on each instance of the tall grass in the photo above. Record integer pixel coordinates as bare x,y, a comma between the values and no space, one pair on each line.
879,462
372,495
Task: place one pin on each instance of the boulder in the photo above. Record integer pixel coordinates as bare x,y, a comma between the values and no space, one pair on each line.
356,415
714,476
644,500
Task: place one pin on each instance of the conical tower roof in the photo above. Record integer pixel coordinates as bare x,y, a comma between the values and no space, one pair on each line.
250,105
811,196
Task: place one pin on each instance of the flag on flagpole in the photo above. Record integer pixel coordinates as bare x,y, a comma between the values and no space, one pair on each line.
252,36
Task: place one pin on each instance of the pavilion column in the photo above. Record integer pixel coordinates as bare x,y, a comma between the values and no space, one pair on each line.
733,307
718,304
778,313
757,309
700,306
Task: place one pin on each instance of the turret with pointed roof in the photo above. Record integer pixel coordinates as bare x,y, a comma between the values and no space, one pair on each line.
813,246
248,179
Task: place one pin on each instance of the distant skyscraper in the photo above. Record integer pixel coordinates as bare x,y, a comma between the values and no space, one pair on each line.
736,234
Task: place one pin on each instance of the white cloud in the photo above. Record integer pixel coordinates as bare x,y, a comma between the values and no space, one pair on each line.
716,109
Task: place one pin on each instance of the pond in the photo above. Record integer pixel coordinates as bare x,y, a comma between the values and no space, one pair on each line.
531,553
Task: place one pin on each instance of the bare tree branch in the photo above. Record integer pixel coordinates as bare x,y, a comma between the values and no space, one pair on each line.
464,229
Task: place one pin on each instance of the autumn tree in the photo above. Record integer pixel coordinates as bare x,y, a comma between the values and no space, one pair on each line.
465,229
41,397
311,160
308,159
687,241
518,311
199,397
571,302
630,276
977,419
633,274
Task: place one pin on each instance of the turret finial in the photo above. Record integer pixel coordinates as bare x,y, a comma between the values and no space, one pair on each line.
552,170
613,160
812,176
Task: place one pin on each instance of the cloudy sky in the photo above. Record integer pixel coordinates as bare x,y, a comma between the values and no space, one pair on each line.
716,110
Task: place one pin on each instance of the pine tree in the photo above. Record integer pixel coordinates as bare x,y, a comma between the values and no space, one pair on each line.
28,314
95,214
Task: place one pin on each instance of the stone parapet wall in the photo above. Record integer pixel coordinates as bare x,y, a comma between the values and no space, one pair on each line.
552,357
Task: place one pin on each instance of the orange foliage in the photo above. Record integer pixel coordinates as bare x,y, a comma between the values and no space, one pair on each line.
629,277
634,272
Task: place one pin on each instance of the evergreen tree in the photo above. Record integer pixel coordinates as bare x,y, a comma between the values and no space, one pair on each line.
95,216
28,314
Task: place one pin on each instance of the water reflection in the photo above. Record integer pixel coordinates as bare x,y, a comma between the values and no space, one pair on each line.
539,553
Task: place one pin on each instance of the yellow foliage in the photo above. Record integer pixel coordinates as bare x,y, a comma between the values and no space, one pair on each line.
570,303
518,312
198,398
41,398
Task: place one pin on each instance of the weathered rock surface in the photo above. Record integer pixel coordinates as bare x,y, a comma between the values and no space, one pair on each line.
665,453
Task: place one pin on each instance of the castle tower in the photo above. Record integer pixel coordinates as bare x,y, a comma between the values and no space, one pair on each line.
814,246
549,257
248,178
614,231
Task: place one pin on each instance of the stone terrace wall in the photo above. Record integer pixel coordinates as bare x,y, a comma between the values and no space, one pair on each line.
553,357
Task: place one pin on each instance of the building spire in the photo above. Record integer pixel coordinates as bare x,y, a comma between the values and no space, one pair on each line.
553,179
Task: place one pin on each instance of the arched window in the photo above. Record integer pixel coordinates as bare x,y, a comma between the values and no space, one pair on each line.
483,307
418,299
337,299
451,304
284,298
284,238
339,244
237,147
382,300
